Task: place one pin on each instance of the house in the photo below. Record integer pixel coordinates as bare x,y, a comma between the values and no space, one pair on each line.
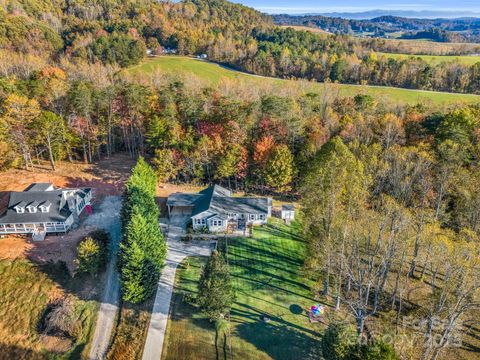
42,209
288,213
217,210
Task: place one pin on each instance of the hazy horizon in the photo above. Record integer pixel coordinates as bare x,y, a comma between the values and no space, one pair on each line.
352,6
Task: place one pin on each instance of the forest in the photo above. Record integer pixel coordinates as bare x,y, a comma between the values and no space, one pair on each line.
119,34
441,29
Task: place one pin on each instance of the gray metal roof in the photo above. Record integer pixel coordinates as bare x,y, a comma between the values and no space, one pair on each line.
182,199
288,207
37,198
216,200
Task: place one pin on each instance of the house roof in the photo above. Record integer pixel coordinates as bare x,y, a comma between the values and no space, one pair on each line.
38,198
216,200
288,207
40,187
182,199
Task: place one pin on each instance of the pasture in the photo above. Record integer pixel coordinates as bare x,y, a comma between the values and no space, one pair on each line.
212,74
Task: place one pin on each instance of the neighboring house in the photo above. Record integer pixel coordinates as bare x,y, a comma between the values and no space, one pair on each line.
42,209
288,212
215,209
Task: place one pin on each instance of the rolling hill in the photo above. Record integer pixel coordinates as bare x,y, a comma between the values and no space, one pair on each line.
214,74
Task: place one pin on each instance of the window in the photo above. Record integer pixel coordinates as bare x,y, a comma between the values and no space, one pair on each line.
251,216
32,209
217,222
199,221
20,210
262,216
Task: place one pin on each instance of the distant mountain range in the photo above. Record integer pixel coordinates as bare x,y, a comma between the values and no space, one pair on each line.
424,14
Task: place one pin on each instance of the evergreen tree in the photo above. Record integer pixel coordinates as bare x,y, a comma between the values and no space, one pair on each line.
215,295
132,273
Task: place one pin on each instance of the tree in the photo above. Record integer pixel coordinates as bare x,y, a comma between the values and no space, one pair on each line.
279,168
333,194
19,112
49,128
133,273
215,293
89,256
164,163
338,341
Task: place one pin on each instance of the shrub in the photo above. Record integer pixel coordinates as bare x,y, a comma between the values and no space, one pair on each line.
59,318
338,341
89,256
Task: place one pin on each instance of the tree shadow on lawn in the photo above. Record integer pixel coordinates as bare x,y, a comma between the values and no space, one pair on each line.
282,232
278,338
245,261
242,246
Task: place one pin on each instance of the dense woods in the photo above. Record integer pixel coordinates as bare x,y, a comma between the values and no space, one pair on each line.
40,34
441,29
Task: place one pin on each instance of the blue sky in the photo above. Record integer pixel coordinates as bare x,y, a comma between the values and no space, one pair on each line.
321,6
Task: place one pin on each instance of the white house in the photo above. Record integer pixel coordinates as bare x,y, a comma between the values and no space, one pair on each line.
42,209
216,210
288,212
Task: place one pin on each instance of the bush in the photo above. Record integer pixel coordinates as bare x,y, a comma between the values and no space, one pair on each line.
340,342
92,253
59,319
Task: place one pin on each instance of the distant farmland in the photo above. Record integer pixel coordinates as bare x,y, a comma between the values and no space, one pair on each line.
437,59
211,74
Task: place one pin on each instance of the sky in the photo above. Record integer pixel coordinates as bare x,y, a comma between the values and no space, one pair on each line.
322,6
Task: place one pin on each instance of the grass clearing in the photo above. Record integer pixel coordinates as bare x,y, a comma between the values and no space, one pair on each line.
25,292
436,59
267,274
131,332
212,74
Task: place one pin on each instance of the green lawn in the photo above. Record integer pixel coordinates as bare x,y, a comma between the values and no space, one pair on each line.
437,59
211,74
267,274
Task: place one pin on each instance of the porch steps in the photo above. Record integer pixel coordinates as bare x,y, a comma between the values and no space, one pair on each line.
38,235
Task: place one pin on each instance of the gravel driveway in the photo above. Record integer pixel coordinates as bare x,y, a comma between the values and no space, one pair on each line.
107,217
177,251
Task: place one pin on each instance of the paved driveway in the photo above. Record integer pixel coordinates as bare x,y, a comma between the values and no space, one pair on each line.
177,251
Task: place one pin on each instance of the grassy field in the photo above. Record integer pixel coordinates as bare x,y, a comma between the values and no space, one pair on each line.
212,74
437,59
25,292
266,272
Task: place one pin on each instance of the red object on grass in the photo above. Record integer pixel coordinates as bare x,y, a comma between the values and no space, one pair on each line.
89,209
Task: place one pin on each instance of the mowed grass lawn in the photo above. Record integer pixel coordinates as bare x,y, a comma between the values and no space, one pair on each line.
25,292
436,59
267,275
212,74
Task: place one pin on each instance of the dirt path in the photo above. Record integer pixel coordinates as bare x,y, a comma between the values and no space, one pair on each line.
108,218
177,251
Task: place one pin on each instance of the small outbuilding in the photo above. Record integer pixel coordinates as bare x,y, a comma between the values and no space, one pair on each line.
288,212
